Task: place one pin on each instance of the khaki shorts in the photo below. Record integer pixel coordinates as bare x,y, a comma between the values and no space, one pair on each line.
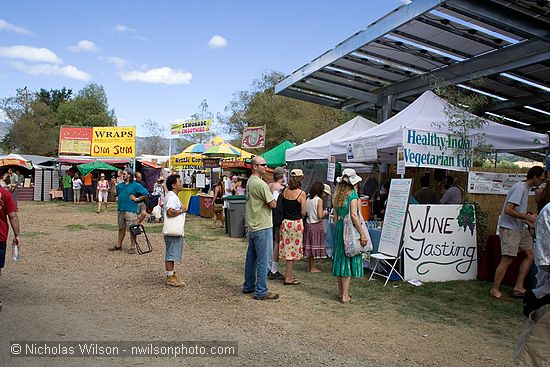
126,219
512,241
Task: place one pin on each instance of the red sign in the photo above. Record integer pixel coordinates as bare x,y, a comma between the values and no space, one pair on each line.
75,140
253,137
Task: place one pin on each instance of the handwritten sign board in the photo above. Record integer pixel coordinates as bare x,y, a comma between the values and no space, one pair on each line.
75,140
439,243
394,219
331,170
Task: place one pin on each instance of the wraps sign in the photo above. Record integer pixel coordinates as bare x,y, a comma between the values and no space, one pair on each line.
439,243
436,150
114,142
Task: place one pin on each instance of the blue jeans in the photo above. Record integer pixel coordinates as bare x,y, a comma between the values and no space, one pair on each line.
256,265
68,194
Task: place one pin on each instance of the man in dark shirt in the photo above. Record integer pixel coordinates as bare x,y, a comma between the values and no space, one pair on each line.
426,195
142,209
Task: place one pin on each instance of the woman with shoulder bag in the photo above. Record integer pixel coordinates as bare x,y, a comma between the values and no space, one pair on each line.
346,202
292,228
218,203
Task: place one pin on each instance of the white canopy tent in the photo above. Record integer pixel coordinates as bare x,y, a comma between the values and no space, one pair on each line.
427,113
318,148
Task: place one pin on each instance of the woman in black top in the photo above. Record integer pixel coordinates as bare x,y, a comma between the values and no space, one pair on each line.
292,228
218,203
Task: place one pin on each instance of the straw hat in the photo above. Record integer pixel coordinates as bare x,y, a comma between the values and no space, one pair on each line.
297,172
349,176
327,189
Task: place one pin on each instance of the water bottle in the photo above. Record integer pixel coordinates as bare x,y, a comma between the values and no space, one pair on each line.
15,252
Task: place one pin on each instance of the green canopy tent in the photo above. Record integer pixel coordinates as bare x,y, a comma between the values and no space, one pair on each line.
89,167
276,156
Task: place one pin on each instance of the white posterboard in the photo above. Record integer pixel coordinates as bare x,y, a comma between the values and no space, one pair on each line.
362,150
394,218
493,183
400,161
439,243
200,180
331,171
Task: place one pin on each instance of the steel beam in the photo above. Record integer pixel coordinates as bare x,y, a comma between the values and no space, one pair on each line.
342,90
489,12
506,59
519,102
377,29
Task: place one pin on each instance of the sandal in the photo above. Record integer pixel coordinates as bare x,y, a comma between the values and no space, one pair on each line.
132,251
115,248
294,282
518,294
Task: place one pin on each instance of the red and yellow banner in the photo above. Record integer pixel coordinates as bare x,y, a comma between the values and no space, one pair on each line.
114,142
75,140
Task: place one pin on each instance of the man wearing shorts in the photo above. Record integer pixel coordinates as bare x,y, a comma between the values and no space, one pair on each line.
174,244
514,235
127,193
89,187
7,210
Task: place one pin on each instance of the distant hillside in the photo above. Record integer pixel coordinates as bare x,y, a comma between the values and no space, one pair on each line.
4,128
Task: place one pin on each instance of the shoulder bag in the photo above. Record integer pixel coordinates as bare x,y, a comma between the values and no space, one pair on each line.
352,237
174,226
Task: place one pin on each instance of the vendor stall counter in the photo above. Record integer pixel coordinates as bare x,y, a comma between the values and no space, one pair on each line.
185,195
206,205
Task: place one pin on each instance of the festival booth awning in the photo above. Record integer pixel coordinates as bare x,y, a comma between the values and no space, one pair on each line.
318,148
429,113
276,156
15,160
81,160
97,165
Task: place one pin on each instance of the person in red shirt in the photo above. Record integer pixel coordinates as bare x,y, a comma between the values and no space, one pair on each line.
8,209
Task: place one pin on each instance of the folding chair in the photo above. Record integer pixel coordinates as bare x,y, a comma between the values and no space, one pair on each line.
385,260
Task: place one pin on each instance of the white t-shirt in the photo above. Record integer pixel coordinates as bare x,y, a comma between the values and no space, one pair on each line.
77,184
172,201
311,207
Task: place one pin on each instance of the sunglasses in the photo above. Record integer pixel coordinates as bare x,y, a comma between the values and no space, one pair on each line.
262,164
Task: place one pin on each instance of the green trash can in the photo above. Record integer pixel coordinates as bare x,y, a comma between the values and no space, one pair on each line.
236,210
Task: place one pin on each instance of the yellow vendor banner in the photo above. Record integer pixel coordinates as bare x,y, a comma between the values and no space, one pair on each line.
186,161
114,142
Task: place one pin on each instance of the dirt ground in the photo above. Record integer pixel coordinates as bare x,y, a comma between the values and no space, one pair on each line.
68,287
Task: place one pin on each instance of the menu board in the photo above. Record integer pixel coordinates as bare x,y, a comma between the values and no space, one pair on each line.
394,218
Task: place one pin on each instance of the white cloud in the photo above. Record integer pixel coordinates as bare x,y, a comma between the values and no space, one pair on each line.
119,62
33,54
84,46
5,26
164,75
217,42
67,71
122,28
141,38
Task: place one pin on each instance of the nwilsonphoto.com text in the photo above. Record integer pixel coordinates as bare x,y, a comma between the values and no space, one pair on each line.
123,349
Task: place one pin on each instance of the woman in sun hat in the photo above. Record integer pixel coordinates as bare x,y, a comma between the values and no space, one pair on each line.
292,228
346,202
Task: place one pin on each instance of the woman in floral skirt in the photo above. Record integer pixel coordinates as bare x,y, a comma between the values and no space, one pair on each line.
346,201
292,228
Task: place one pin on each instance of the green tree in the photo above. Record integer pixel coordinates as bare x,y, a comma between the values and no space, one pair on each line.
36,132
54,97
88,108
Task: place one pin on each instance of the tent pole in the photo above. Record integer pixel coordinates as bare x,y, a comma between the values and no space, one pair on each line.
496,159
170,155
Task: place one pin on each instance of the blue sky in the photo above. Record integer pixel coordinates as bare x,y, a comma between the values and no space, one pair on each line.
159,59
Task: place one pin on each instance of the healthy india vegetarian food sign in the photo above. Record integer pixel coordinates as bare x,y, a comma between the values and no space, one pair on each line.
435,149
